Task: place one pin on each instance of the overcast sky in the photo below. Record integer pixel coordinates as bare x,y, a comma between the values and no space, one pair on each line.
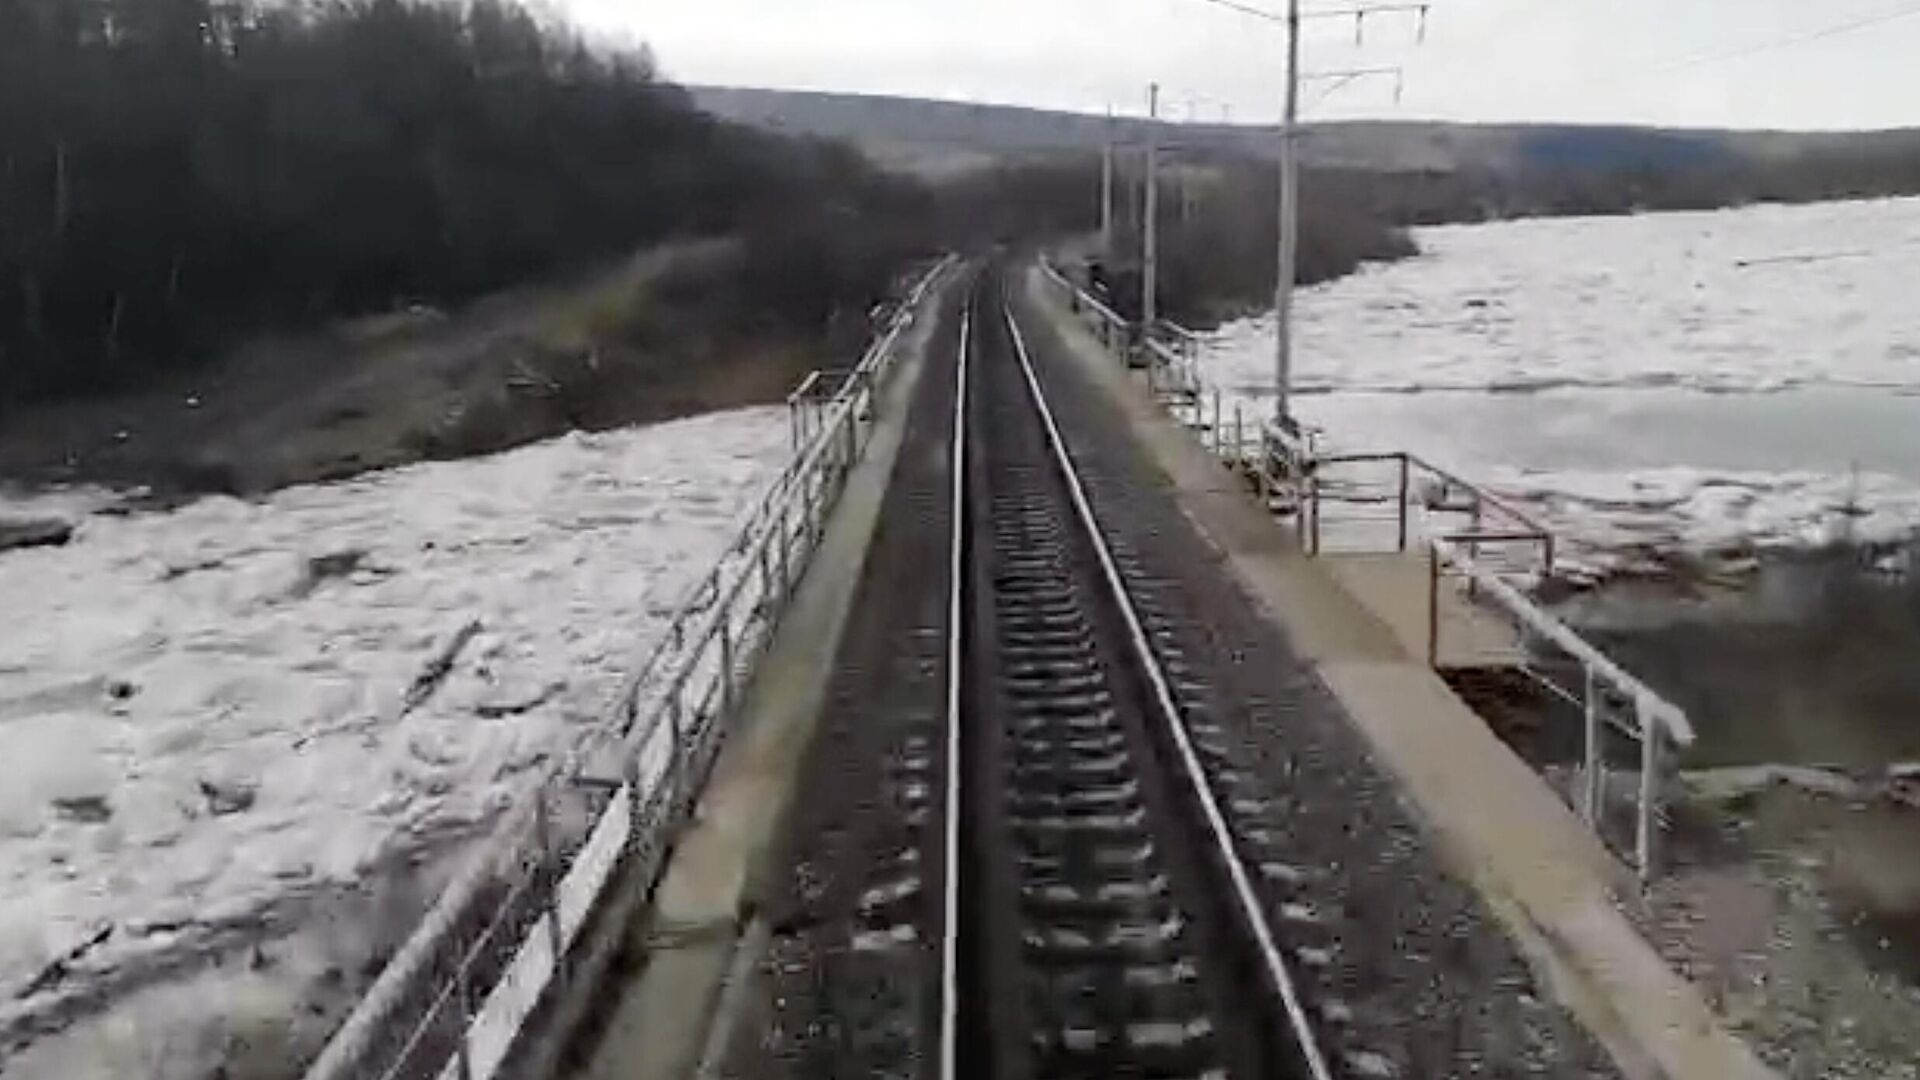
1735,63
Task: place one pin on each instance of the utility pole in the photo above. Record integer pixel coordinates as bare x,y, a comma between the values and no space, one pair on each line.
1289,228
1106,194
1150,284
1290,175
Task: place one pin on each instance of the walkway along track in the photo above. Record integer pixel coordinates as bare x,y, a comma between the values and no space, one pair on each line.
1099,917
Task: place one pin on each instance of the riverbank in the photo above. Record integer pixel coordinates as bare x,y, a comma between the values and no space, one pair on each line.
1790,894
648,340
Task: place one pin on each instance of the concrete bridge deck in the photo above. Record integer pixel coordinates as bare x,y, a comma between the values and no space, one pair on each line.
1360,621
1397,588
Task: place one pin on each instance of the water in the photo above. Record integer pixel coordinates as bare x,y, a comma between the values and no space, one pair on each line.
1830,430
1696,384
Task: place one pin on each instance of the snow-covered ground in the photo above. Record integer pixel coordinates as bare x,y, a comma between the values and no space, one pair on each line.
1690,381
205,717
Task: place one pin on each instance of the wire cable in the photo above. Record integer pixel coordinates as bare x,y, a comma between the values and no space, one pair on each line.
1359,11
1248,9
1861,23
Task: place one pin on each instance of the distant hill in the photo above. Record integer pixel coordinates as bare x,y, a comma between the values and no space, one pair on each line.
940,137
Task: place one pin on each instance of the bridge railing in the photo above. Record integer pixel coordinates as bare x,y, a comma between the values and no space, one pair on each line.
1406,497
1627,730
1483,551
1113,332
1477,543
1169,354
453,1003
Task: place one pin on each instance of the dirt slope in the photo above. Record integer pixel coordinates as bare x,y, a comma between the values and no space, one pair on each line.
600,350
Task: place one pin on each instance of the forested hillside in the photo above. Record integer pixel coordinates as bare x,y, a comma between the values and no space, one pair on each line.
176,172
1416,172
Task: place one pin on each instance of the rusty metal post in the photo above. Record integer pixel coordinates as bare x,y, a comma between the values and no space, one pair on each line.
463,1051
762,557
1647,839
1593,779
780,556
550,874
1473,546
631,768
1313,486
1433,606
726,667
851,429
811,520
676,715
1406,471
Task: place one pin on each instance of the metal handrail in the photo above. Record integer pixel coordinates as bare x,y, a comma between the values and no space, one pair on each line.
1481,494
810,464
805,389
1670,716
777,491
396,1030
1527,528
1657,721
1181,333
1111,320
1298,448
1112,317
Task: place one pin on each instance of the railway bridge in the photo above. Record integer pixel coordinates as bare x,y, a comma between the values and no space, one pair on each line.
1051,719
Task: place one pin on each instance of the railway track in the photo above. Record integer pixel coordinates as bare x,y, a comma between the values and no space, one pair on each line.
1075,810
1099,915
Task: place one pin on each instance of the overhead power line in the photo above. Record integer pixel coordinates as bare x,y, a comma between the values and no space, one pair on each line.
1248,9
1834,30
1358,13
1289,156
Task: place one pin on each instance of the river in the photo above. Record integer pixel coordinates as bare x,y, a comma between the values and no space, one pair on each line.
1703,383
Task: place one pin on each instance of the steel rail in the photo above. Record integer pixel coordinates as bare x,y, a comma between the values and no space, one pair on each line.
956,645
1246,900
